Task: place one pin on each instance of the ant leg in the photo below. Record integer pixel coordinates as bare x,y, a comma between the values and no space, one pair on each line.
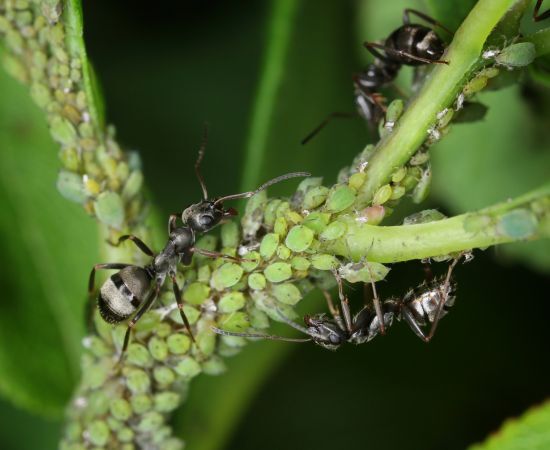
177,294
343,302
211,254
443,293
139,243
144,308
172,222
407,20
324,123
202,148
376,302
543,16
257,335
401,54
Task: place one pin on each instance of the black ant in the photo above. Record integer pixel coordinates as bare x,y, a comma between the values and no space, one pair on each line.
428,303
412,45
544,15
130,289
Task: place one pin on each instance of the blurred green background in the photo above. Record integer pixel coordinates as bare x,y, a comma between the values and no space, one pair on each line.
165,69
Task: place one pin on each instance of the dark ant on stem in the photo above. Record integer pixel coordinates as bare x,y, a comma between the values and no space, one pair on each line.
412,45
428,303
130,291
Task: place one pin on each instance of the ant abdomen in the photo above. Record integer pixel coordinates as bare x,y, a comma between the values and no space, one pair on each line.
122,293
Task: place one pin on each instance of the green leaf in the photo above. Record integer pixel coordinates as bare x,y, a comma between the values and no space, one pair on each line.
529,432
48,247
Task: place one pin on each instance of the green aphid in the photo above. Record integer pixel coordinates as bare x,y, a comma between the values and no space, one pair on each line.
133,185
340,198
283,252
114,424
120,409
315,197
428,215
150,421
518,224
254,211
361,272
334,231
422,189
226,276
98,433
138,381
419,158
282,209
125,434
237,321
280,226
178,343
394,110
397,192
98,402
305,185
357,180
166,401
382,195
71,186
163,330
97,374
517,55
299,238
475,85
324,262
230,234
256,281
258,319
138,355
192,314
300,263
206,342
214,366
251,260
271,307
278,271
141,403
270,213
268,246
444,117
196,293
158,348
172,444
316,221
204,273
109,209
231,302
149,322
187,367
73,431
40,94
63,131
164,376
98,346
293,217
286,293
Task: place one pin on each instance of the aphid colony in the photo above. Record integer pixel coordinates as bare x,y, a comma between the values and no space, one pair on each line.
133,289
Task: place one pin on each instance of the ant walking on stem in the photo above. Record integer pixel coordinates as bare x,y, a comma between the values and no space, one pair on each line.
133,289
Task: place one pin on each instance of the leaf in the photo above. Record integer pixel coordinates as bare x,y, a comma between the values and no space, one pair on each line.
48,249
529,431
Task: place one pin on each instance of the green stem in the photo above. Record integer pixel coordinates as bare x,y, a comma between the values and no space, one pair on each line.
278,35
438,93
526,217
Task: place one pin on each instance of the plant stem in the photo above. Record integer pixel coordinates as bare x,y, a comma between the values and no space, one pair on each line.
439,91
526,217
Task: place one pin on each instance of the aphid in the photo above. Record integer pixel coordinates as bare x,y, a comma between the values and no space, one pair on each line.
133,289
412,45
544,15
428,303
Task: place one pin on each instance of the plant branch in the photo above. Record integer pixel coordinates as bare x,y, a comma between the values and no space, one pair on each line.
438,93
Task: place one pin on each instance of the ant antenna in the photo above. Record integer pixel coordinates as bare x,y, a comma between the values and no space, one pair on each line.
324,123
258,335
262,187
199,160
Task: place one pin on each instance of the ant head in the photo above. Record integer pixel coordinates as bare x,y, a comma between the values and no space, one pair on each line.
325,332
204,216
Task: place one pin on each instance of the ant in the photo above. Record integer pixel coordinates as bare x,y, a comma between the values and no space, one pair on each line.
428,303
412,45
130,290
544,15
